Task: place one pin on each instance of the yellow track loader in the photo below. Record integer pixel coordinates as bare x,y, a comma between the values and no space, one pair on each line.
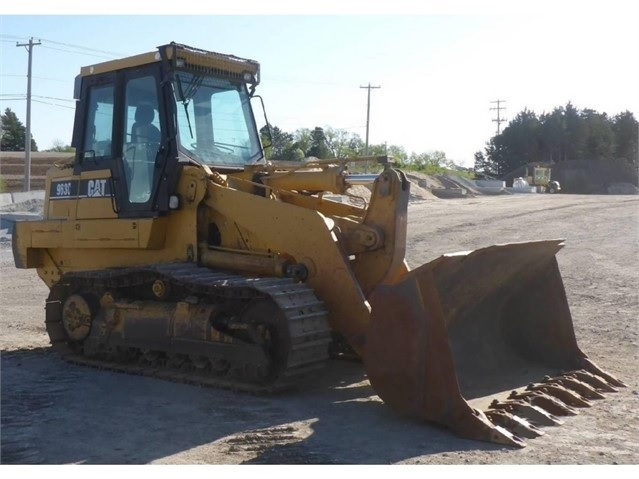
172,248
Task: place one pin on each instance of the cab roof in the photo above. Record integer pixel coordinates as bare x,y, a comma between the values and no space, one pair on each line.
184,57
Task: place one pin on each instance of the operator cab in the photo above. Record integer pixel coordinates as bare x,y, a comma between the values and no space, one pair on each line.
142,117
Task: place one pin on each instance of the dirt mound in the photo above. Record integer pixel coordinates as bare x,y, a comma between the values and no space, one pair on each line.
419,191
12,168
421,186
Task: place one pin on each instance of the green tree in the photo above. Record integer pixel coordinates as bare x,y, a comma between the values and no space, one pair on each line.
564,134
319,147
552,136
576,133
302,137
277,144
483,167
375,150
294,153
600,137
521,139
398,153
497,157
626,129
342,143
60,147
434,160
517,145
13,133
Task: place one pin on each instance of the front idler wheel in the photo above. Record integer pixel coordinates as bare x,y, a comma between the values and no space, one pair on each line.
77,314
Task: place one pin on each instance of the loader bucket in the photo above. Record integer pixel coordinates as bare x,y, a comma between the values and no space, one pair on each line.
481,342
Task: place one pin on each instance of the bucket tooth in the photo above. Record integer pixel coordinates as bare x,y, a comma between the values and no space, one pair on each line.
592,368
583,389
516,424
595,381
474,424
564,395
536,415
548,403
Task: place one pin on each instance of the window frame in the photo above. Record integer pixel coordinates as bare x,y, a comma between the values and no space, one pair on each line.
151,207
82,163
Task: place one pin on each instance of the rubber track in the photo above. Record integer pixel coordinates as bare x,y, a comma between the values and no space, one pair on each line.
306,315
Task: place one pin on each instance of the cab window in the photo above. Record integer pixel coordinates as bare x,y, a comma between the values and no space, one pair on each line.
99,131
142,137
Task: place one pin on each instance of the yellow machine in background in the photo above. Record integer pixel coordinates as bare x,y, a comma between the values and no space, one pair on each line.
540,176
171,248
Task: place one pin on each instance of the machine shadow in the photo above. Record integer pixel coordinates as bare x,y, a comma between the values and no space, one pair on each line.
59,413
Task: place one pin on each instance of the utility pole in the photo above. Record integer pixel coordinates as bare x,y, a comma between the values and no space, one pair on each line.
368,117
499,119
27,139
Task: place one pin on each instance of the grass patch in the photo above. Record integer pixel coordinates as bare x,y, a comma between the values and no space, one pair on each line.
425,168
429,169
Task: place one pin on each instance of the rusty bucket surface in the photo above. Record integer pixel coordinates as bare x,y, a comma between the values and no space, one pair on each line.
482,342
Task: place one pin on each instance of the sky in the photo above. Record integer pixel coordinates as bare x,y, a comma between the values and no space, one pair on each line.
439,65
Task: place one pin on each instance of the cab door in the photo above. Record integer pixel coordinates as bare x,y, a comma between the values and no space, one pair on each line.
141,150
91,186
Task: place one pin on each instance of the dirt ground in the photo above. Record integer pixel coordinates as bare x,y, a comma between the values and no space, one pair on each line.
56,413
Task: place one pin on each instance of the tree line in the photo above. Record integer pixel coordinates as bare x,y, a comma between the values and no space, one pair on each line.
318,142
329,142
13,133
566,133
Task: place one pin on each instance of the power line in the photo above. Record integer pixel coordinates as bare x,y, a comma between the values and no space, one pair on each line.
295,80
34,76
15,37
78,53
35,98
499,120
54,104
54,98
51,79
80,47
350,127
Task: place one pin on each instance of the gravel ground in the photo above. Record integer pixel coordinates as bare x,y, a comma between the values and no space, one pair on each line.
56,413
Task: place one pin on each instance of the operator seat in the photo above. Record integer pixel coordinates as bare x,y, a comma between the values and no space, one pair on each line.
143,130
140,162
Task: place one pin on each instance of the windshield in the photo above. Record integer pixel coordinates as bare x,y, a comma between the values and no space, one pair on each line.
215,122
